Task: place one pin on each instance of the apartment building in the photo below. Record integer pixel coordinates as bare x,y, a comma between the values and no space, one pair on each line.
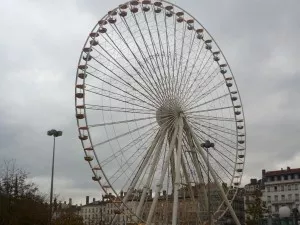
281,188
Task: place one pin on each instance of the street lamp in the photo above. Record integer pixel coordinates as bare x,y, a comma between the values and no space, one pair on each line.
207,144
54,133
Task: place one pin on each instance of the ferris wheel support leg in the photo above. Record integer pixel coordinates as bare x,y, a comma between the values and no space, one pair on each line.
198,170
213,174
184,169
172,162
163,173
152,171
177,171
139,172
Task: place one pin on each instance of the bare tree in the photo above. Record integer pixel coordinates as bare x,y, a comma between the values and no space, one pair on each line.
20,200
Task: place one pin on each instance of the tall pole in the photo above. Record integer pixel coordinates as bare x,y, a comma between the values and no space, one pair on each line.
55,134
52,175
208,191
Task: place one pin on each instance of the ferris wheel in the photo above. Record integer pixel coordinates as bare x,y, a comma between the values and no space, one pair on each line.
160,116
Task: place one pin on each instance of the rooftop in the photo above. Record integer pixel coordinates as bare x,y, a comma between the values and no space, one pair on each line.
286,171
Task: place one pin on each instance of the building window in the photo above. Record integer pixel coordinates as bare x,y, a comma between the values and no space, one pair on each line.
290,196
275,188
269,199
282,187
289,187
276,208
276,198
268,189
282,197
297,197
296,186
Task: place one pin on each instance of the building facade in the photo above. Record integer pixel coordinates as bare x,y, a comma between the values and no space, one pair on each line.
281,188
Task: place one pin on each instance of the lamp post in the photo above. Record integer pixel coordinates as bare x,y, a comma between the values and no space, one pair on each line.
207,144
55,134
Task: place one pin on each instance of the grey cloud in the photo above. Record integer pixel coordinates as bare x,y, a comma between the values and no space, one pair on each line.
39,53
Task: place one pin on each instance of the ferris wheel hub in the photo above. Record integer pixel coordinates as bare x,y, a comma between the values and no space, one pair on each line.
168,111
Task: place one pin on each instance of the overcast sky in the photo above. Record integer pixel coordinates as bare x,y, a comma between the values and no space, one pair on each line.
40,42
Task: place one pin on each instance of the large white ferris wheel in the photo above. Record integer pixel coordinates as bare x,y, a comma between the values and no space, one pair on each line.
159,115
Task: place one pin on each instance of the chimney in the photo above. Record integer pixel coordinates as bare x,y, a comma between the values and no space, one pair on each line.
150,193
87,199
121,193
65,202
253,181
94,199
164,192
288,168
70,201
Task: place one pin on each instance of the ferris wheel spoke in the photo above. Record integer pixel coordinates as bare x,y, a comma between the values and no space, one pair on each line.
127,95
184,79
158,88
213,131
156,57
212,109
114,98
118,173
148,89
221,143
215,128
198,53
124,134
162,52
198,97
211,118
120,122
121,81
174,59
149,53
212,100
153,100
120,109
198,73
219,128
226,158
155,86
191,72
167,49
179,69
145,137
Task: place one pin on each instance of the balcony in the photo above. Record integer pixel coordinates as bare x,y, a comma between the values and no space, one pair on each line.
291,181
285,201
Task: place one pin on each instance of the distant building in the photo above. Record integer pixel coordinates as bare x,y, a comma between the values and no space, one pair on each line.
64,208
250,194
281,188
